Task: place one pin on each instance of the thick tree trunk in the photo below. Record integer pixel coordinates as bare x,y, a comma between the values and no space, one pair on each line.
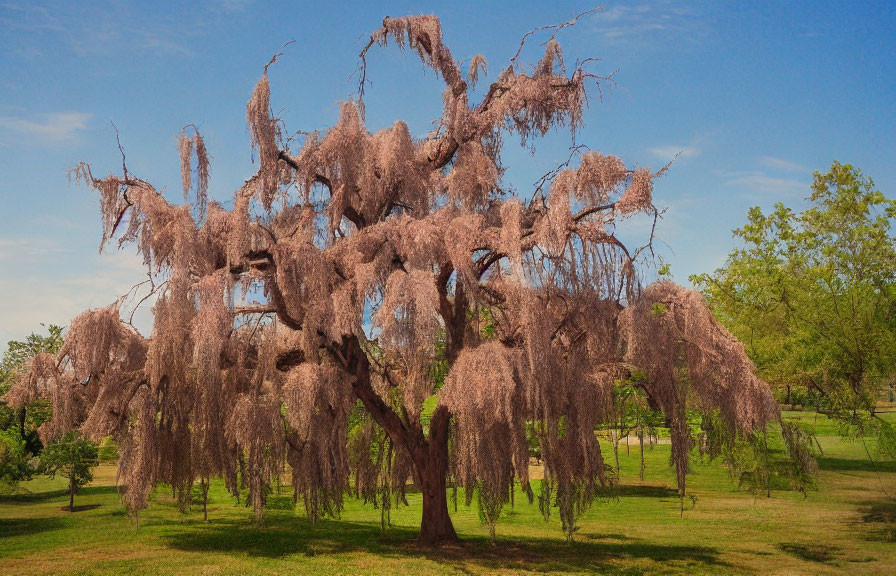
429,455
436,527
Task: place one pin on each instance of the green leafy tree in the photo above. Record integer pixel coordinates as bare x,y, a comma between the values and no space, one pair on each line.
72,457
812,295
633,414
27,418
14,466
624,419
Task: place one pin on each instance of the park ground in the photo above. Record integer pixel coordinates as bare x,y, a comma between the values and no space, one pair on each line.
847,526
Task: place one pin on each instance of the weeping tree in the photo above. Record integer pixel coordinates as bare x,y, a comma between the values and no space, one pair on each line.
375,261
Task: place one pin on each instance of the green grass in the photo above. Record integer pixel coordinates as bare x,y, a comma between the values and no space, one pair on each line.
846,527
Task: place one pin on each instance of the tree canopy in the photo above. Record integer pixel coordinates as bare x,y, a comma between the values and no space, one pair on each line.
813,295
26,419
358,272
14,465
72,457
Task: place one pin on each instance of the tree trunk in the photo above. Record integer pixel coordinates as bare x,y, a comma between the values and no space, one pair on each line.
71,494
436,527
429,455
242,472
641,443
22,414
205,485
615,437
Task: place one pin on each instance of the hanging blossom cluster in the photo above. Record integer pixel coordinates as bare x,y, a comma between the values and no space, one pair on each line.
390,270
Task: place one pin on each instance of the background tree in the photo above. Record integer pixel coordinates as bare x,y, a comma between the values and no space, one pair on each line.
27,418
624,417
813,295
262,342
72,457
633,413
14,465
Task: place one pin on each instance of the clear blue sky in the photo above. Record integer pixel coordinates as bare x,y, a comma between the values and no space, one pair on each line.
754,95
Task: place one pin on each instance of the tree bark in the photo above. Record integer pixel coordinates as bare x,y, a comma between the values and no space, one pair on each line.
436,527
71,494
22,415
615,438
641,442
429,455
205,486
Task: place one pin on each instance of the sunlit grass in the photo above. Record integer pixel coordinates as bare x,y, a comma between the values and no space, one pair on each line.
846,527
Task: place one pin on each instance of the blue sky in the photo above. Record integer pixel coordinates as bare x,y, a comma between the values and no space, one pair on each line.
753,95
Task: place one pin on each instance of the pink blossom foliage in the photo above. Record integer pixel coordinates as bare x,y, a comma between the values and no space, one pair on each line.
398,258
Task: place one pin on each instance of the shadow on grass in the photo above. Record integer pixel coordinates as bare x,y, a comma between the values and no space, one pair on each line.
880,518
626,491
81,508
288,535
32,497
608,537
27,526
826,463
811,552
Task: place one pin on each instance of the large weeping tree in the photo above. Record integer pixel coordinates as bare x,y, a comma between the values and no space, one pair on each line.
365,277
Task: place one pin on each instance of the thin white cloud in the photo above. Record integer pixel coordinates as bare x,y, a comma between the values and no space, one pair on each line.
759,182
669,152
646,22
45,296
784,165
28,248
52,128
232,6
29,17
160,43
97,29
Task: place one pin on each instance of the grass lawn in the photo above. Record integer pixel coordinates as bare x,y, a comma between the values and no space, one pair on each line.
848,526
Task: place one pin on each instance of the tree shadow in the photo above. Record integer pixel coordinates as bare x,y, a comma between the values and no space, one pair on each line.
608,537
34,497
288,535
27,526
811,552
81,508
643,491
855,465
879,516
